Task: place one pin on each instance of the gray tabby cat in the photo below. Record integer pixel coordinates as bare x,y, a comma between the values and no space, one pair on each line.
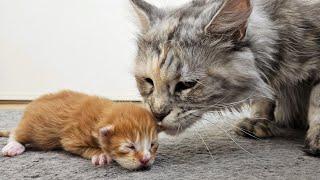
213,54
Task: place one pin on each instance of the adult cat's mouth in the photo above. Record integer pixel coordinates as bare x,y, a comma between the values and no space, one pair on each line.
178,121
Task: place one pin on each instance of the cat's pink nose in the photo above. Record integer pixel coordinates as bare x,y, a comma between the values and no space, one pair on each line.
144,161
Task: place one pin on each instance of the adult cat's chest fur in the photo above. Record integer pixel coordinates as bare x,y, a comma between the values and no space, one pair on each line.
221,53
285,40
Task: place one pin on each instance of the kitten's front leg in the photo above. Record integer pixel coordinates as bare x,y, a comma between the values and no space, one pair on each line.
261,123
97,156
313,134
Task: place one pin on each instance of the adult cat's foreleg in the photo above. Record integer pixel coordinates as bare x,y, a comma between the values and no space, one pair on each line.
313,134
261,123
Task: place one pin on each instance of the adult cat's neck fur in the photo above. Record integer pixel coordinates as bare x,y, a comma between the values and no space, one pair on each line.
263,36
284,40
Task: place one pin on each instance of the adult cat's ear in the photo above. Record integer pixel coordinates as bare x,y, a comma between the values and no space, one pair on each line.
147,13
231,19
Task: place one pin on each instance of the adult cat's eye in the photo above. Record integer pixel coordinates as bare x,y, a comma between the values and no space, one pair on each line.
154,145
181,86
149,80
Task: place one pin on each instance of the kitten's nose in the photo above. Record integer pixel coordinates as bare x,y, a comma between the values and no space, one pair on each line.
144,161
161,116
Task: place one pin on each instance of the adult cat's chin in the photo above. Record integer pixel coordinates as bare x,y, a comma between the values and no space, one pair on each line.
178,121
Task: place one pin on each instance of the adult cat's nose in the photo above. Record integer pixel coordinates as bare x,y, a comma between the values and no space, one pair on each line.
161,116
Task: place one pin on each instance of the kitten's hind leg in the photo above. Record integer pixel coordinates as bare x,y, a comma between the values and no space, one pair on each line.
313,135
261,124
13,147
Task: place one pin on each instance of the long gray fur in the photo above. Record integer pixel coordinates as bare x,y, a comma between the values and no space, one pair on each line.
220,55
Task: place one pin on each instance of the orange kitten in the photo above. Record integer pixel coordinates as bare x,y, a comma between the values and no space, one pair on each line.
92,127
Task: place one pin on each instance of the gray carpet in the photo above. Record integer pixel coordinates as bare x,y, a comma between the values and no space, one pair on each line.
183,157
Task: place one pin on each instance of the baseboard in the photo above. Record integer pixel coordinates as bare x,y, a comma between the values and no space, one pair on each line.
15,101
20,97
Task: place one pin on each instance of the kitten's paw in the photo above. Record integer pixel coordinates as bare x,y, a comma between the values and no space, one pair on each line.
256,128
101,159
313,141
13,148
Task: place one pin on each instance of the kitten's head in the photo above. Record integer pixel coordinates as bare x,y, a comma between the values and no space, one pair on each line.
195,59
130,135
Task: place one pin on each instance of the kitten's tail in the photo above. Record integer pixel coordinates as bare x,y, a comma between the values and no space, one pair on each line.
4,133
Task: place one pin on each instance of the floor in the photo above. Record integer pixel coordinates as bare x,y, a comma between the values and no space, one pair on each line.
207,151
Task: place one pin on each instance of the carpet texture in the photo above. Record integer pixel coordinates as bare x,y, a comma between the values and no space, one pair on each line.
183,157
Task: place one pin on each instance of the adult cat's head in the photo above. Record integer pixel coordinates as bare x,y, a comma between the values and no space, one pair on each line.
195,59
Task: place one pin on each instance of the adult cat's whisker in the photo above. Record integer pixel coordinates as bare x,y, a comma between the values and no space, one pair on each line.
189,113
223,106
244,131
204,142
219,101
226,132
230,136
229,106
245,99
179,128
260,118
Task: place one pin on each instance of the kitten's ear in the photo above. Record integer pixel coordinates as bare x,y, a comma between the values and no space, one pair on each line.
147,13
106,131
231,19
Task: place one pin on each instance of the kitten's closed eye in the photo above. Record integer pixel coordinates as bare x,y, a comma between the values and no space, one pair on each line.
127,148
131,147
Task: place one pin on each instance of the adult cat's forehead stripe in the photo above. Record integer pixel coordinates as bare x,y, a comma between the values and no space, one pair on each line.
164,66
164,49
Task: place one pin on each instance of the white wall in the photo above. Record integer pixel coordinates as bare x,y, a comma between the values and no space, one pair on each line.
84,45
